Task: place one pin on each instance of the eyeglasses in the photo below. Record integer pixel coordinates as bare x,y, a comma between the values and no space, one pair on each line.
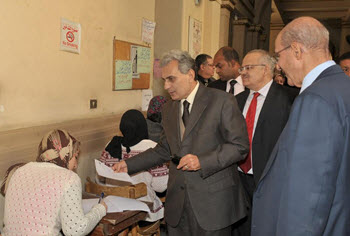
345,69
211,65
248,67
276,55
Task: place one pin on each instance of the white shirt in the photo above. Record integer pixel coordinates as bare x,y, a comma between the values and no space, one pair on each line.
314,73
238,88
260,102
190,99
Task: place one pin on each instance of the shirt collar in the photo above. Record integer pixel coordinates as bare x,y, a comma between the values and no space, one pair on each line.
314,73
264,90
238,79
190,98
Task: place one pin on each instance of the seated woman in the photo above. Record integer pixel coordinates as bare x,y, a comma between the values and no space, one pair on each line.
135,140
44,197
154,117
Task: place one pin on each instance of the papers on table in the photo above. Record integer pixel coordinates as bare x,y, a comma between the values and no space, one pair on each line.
116,204
108,172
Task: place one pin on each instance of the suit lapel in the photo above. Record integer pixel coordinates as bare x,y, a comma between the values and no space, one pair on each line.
174,121
242,98
199,105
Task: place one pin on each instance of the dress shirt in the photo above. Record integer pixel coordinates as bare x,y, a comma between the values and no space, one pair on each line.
190,99
239,87
260,102
314,73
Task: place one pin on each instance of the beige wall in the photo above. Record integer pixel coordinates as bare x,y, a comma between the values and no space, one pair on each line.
39,84
208,12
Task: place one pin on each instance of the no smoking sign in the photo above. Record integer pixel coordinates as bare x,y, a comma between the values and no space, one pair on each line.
70,36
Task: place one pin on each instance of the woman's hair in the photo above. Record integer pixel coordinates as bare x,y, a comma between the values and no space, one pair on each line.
57,147
133,126
154,112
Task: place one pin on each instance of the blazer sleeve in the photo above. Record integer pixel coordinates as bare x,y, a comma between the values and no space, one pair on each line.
235,145
315,136
151,157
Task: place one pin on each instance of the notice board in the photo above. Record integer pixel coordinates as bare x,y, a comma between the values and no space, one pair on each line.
131,65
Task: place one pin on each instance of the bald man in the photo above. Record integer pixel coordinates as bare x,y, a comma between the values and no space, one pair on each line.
304,189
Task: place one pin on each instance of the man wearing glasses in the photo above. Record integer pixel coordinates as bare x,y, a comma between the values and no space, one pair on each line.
205,69
226,61
265,106
304,188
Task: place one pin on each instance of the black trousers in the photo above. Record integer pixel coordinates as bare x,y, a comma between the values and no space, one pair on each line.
188,225
242,227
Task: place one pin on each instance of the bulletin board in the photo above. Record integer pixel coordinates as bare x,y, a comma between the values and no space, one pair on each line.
131,65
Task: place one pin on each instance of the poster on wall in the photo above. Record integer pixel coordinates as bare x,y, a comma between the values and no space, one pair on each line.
70,36
148,30
123,74
194,37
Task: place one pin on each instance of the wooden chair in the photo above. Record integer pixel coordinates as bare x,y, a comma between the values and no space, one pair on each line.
129,191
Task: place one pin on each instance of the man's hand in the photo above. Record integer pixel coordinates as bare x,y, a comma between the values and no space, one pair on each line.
120,167
189,163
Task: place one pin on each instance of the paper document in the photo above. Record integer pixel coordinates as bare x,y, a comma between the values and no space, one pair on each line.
105,171
116,204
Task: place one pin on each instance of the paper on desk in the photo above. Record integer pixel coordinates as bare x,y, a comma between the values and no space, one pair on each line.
108,172
116,204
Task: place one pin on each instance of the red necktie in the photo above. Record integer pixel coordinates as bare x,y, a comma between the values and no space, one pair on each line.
246,164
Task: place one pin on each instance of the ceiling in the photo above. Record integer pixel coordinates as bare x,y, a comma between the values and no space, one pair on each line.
325,10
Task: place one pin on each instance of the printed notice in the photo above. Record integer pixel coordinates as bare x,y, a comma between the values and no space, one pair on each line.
148,30
123,74
70,36
143,60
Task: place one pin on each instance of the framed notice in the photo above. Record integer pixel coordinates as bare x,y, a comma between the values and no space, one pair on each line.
194,37
131,65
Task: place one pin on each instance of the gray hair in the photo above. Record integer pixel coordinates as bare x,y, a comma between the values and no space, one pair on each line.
307,31
186,62
266,59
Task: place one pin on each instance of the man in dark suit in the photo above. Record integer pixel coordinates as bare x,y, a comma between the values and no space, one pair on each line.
226,61
205,69
204,195
266,106
304,189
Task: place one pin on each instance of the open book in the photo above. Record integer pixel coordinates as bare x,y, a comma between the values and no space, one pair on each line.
116,204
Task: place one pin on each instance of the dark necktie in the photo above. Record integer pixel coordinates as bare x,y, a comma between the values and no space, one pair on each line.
232,84
246,164
186,112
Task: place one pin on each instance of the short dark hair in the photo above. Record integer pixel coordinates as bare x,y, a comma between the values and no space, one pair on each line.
344,56
229,54
201,59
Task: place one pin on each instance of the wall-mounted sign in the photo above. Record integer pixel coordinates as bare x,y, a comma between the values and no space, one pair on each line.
70,36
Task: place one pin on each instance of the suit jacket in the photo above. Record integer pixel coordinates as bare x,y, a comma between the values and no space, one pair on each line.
203,81
304,189
272,119
218,84
214,191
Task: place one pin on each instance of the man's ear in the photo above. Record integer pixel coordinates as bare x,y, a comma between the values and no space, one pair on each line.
297,50
201,67
192,74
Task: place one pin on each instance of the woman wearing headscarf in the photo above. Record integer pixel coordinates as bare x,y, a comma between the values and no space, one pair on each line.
154,117
45,196
134,141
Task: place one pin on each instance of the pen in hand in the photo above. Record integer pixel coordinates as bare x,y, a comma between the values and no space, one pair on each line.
101,197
